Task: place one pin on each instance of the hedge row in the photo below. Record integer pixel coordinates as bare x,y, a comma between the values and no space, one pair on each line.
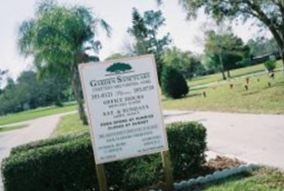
67,163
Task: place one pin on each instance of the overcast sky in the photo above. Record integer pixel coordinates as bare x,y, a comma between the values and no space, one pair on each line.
186,35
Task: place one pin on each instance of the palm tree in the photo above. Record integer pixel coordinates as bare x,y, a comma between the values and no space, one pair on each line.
58,38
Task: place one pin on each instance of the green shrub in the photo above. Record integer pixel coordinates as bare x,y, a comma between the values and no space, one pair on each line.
270,65
47,142
187,143
173,83
67,163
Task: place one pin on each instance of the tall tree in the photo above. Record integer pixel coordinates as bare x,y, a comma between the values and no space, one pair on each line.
145,31
58,38
262,46
270,13
30,92
185,62
224,51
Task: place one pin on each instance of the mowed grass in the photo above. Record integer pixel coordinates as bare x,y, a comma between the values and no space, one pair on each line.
36,113
264,179
69,124
201,80
259,98
11,128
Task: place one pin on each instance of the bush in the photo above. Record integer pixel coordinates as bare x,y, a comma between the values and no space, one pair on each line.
47,142
67,163
187,143
270,65
173,83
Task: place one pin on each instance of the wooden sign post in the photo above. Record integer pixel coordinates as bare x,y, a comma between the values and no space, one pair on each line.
166,161
102,180
123,101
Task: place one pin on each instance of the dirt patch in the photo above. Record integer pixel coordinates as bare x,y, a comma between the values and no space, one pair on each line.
221,162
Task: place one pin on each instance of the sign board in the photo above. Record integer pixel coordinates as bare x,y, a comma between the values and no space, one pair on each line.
122,97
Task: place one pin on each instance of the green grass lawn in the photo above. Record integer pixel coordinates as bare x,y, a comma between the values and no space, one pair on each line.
69,124
260,98
263,179
36,113
201,80
11,128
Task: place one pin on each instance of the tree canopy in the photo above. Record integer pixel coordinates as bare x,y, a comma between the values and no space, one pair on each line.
186,63
269,13
59,38
262,46
28,92
145,30
223,51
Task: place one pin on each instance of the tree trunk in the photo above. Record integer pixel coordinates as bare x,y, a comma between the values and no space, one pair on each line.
222,66
280,44
223,75
275,31
228,74
281,51
77,89
282,56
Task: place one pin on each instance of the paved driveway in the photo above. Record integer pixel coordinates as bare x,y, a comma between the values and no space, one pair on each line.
250,137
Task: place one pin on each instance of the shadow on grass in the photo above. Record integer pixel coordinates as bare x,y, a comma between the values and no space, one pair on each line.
247,73
198,88
279,84
182,114
187,96
193,95
250,93
176,114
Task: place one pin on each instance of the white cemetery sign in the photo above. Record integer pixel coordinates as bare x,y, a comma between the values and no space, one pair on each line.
122,98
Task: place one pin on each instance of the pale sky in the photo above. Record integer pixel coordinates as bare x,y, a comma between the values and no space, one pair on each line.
186,35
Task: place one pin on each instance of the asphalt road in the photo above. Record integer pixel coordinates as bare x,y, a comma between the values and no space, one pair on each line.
254,138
